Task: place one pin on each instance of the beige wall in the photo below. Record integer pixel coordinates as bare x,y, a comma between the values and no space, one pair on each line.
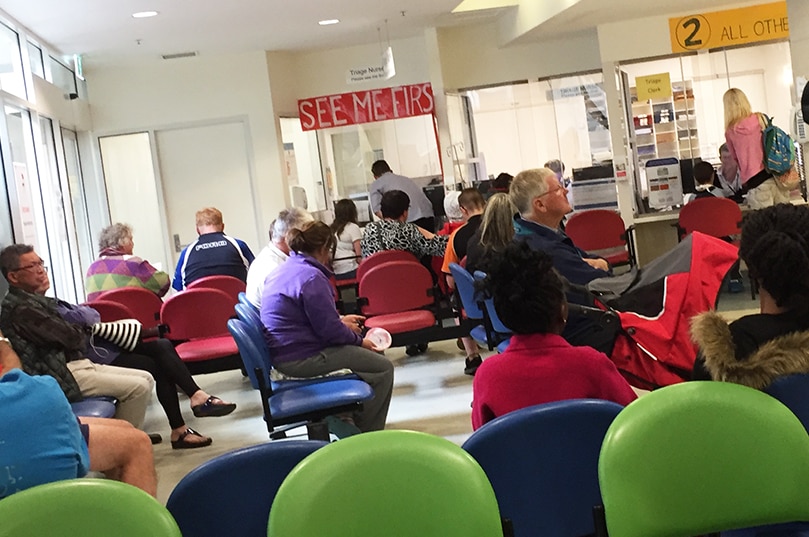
323,72
471,56
649,37
799,37
197,90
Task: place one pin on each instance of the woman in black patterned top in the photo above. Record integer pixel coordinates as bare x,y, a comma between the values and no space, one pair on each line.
393,232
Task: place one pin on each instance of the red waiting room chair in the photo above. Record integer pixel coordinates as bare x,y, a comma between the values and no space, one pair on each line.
197,322
143,304
602,232
396,296
230,285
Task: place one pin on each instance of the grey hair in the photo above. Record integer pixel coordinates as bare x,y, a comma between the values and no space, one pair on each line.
293,218
527,186
114,236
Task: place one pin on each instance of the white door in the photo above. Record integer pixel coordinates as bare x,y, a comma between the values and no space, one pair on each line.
207,166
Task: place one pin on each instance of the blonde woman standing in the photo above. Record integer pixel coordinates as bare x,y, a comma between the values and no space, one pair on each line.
743,136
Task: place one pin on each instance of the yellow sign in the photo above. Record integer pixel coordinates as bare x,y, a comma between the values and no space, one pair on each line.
731,27
653,87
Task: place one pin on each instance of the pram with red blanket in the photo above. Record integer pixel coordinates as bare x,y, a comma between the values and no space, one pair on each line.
655,306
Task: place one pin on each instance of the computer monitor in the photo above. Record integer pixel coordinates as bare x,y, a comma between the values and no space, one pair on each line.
435,193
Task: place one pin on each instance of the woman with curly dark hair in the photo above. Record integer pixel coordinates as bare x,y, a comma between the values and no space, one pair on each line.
755,349
538,366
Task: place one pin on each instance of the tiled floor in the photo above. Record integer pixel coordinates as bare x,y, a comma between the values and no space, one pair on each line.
431,394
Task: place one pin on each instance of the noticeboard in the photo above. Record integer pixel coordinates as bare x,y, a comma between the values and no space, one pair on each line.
665,182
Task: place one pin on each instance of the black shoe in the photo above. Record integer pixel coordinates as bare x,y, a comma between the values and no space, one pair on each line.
472,364
155,438
415,350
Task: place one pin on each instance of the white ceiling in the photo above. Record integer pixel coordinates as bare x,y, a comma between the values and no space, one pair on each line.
104,31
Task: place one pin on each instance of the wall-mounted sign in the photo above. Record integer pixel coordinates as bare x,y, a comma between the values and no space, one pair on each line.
366,74
385,71
653,86
730,27
366,106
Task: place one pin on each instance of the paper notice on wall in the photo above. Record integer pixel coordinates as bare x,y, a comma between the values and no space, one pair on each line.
291,164
25,206
594,194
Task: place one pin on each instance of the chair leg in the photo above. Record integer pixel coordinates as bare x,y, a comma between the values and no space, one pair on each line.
318,430
599,521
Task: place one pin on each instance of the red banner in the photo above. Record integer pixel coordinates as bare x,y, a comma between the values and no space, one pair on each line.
366,106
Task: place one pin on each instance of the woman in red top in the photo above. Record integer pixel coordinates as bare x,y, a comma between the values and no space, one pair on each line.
743,135
538,366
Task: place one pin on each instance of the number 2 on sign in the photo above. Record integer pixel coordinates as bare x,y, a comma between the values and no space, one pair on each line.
693,32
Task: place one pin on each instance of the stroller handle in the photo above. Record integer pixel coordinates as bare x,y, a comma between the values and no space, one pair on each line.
606,318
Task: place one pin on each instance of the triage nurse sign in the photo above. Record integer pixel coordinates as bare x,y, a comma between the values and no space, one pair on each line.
366,106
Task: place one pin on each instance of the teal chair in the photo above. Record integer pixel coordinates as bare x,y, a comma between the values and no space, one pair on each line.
386,483
702,457
85,508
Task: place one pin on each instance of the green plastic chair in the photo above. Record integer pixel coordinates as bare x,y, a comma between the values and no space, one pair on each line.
702,457
391,483
85,508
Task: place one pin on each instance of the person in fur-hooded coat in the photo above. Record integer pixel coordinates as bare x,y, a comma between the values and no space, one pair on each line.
756,349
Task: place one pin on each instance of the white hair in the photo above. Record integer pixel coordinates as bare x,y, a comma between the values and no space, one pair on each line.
288,219
451,206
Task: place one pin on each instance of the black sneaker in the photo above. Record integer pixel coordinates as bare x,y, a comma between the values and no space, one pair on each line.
472,364
415,350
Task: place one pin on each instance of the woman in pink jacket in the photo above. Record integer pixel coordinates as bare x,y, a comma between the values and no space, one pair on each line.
743,135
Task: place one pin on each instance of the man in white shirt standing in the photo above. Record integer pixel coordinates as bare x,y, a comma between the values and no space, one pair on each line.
420,211
275,253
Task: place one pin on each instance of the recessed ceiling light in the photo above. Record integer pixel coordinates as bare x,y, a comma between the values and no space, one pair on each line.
328,22
144,14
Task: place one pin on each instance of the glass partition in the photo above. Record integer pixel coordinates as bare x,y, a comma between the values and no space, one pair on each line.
35,58
62,76
11,77
66,275
686,120
409,145
302,160
76,192
524,125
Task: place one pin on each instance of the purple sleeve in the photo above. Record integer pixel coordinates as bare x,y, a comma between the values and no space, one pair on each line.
317,297
84,315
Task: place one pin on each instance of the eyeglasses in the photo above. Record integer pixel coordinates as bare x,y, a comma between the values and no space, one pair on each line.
560,188
36,265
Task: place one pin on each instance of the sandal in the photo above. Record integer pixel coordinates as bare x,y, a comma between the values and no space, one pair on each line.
182,443
212,408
